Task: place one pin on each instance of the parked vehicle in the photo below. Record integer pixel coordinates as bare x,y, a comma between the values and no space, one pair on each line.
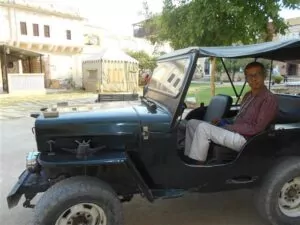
87,163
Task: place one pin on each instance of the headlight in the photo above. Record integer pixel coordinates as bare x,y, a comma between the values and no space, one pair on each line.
31,161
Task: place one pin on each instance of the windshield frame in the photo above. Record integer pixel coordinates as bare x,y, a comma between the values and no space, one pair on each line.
189,57
173,104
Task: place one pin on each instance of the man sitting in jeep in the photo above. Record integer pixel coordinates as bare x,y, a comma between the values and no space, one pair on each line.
258,108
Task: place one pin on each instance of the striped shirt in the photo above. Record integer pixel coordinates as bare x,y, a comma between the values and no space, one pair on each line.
256,113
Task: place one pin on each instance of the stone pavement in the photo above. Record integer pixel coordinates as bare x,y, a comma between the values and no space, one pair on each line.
23,108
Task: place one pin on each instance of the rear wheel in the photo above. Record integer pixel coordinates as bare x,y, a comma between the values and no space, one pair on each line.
278,199
79,201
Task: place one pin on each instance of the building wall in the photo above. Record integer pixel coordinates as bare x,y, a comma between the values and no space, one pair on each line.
58,28
4,21
62,54
0,75
290,69
109,39
293,30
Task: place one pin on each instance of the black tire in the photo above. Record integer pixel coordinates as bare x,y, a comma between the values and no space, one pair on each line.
76,190
267,196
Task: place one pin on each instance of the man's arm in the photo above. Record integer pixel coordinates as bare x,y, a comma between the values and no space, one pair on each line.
267,113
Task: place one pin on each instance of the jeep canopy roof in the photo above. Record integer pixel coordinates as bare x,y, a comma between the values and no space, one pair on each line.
283,50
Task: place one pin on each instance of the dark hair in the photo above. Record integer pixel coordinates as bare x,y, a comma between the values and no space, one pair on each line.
256,64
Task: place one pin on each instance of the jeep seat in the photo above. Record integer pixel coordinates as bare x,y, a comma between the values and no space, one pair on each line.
289,112
218,107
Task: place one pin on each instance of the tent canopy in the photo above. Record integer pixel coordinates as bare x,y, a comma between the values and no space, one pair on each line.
283,50
110,54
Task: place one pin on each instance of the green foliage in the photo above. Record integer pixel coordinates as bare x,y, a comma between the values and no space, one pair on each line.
218,22
146,62
277,79
202,91
235,65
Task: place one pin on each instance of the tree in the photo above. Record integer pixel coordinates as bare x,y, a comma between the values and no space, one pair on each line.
205,22
235,65
219,22
146,62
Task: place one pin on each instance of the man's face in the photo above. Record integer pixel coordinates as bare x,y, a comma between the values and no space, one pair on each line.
254,77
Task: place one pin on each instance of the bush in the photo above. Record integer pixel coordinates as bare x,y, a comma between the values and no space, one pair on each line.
277,79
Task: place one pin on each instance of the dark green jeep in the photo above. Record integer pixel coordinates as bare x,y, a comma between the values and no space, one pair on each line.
91,160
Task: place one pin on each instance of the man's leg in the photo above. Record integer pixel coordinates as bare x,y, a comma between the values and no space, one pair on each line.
205,133
191,127
181,134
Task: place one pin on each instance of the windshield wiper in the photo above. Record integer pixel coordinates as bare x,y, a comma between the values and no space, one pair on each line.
150,104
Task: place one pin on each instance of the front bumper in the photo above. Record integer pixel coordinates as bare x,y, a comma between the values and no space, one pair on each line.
28,184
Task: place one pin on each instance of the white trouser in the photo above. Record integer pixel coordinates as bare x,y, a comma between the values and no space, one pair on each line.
200,133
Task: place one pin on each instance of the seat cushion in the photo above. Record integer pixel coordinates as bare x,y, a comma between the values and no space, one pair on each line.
288,109
218,107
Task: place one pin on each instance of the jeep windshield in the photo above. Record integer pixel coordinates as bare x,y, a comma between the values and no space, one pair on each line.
169,76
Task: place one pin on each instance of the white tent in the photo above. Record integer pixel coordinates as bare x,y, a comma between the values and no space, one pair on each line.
110,70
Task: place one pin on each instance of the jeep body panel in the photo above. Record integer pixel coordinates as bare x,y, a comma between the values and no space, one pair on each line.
138,145
118,128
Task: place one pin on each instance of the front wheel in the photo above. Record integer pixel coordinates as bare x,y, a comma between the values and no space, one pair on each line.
79,201
278,199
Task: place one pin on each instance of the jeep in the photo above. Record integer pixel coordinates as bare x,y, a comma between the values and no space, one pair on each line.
89,160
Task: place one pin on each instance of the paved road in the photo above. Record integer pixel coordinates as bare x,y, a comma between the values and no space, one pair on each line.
230,208
23,109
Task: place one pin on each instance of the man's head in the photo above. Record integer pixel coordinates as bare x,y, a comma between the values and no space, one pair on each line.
255,75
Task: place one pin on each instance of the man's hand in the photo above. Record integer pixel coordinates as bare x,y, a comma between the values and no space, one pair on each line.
220,122
215,121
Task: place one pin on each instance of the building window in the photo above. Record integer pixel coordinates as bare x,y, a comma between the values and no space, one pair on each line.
171,77
207,67
46,30
23,28
35,29
93,74
68,32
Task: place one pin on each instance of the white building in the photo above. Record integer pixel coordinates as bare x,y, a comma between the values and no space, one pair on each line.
55,33
293,31
103,38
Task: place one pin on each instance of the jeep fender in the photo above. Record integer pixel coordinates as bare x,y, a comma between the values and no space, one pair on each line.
105,159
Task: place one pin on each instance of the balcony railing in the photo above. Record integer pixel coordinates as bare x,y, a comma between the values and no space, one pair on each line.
145,29
26,83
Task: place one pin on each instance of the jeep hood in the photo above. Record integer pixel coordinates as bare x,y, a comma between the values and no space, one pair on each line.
116,120
115,128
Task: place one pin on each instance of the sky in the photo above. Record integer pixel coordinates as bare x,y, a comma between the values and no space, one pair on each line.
119,15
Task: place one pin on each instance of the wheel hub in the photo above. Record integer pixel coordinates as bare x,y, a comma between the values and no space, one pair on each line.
83,214
80,219
289,199
293,193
